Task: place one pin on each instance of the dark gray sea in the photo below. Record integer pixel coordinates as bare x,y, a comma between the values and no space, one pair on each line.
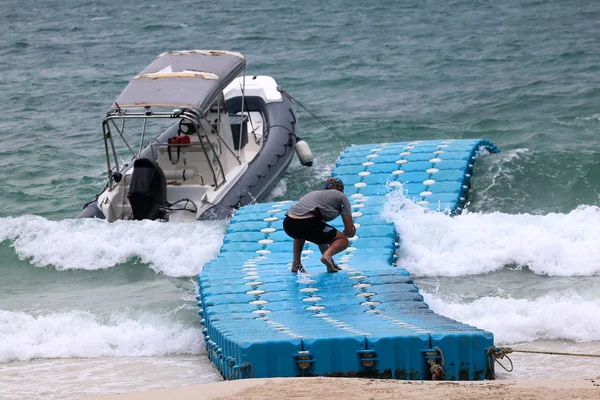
90,308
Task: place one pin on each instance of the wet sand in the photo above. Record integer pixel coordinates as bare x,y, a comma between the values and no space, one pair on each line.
344,388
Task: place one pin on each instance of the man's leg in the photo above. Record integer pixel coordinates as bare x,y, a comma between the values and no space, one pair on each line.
323,248
339,243
296,262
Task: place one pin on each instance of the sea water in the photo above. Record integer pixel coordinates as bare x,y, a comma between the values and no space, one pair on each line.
90,308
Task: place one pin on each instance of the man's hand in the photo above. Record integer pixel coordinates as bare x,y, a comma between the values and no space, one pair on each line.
349,228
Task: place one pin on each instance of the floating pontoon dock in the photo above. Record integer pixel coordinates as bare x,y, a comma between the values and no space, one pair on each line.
369,320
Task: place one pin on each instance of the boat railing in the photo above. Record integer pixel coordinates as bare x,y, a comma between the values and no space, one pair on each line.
202,127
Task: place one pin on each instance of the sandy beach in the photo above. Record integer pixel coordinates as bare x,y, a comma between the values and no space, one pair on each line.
344,388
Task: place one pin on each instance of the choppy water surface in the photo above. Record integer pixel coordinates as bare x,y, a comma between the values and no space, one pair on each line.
87,298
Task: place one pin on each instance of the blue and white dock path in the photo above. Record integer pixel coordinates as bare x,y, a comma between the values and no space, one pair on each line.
260,320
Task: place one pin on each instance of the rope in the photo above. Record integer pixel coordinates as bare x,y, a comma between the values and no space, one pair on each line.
502,351
442,361
188,201
498,353
556,353
437,370
232,375
247,365
315,116
238,371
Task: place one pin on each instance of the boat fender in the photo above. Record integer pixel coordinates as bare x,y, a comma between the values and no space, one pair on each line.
303,152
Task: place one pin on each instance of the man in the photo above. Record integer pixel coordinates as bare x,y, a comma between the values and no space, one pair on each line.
306,220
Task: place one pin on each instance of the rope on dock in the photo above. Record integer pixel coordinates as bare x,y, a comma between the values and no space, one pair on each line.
238,371
437,370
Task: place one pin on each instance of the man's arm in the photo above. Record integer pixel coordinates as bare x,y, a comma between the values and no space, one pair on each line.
349,228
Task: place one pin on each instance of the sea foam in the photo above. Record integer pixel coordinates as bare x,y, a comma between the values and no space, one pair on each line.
435,244
25,336
554,316
173,249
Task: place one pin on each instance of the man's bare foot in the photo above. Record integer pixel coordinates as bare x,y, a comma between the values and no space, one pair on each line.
328,261
337,267
296,268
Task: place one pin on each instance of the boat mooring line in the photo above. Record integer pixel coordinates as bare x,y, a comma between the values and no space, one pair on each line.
316,117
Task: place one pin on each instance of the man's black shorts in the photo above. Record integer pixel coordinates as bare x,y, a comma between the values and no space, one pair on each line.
311,229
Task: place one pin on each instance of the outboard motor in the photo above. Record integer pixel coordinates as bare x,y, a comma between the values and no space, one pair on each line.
147,190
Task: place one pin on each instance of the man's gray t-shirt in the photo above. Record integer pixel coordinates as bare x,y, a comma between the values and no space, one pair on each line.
330,202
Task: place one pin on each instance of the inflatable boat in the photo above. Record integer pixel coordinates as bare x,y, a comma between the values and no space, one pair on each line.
209,140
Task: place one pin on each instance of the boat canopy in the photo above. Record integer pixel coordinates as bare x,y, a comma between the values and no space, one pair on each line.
184,79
